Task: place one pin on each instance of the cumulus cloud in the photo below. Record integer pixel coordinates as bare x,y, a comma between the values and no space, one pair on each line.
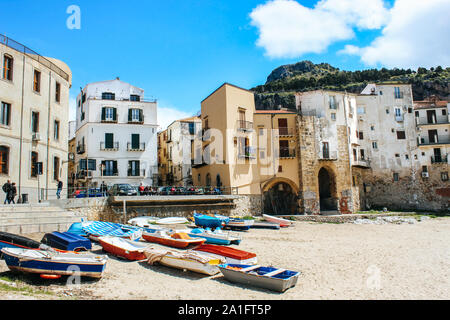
168,114
287,29
415,36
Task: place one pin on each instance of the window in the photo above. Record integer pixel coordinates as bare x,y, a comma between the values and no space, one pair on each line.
424,169
333,116
375,145
135,97
362,154
135,115
325,150
406,157
444,176
401,135
134,168
109,140
208,180
56,130
135,141
191,128
361,110
108,96
372,128
397,93
4,160
109,168
58,92
37,81
55,168
34,161
109,114
333,104
5,114
7,67
280,169
387,111
396,176
34,122
91,164
262,154
444,112
199,178
361,135
261,131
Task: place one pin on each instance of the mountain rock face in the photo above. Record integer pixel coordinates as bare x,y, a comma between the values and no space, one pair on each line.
283,82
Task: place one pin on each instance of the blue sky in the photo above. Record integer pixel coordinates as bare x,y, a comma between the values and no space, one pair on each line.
179,51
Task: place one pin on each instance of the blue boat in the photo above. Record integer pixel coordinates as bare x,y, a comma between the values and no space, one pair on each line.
239,224
9,240
67,241
202,220
95,229
54,263
214,237
77,229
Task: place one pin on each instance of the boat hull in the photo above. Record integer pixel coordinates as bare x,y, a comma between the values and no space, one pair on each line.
257,280
231,255
20,263
175,243
190,265
265,225
282,222
207,221
125,253
211,240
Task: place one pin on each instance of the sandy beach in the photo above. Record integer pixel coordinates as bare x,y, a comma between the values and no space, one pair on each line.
337,261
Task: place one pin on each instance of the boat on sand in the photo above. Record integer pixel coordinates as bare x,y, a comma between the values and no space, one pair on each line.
231,255
213,237
187,260
172,239
282,222
271,278
123,248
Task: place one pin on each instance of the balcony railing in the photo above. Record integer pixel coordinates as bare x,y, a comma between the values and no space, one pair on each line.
436,141
109,147
247,153
83,174
137,147
361,163
136,173
243,125
287,153
286,132
81,149
433,122
439,159
328,156
93,97
109,173
136,121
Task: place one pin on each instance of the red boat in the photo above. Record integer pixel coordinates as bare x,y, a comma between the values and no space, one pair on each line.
176,240
124,248
231,255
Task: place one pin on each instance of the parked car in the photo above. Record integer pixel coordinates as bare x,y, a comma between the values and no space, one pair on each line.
122,189
180,190
166,191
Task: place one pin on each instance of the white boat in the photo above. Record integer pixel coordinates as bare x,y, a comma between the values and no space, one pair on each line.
282,222
213,237
172,220
124,248
187,260
143,222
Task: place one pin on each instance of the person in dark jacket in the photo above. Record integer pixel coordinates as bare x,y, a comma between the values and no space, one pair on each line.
6,188
60,186
12,193
103,189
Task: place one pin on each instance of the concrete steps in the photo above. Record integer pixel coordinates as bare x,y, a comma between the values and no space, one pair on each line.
40,218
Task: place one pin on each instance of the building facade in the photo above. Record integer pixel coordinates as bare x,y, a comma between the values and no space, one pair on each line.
116,135
34,97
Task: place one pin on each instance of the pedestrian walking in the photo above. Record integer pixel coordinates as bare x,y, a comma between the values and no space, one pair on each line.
60,186
12,193
103,188
6,188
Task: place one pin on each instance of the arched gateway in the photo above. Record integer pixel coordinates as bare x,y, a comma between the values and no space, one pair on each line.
280,197
327,190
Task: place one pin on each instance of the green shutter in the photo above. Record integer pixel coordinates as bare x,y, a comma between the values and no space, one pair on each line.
130,115
141,116
109,140
103,114
114,114
135,141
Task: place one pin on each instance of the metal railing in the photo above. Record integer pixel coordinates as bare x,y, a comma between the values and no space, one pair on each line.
434,121
243,125
286,132
287,153
136,173
249,153
138,147
109,147
93,97
81,149
33,55
438,140
439,159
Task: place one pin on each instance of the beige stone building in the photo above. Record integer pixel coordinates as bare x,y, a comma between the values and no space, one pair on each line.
163,162
34,97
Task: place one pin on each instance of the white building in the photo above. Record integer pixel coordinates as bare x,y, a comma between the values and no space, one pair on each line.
116,133
34,109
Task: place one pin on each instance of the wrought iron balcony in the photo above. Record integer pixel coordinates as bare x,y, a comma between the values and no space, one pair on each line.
287,153
286,132
136,173
109,147
81,148
437,141
439,159
248,153
137,147
245,126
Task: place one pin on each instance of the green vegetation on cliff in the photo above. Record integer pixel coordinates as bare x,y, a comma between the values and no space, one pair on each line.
286,80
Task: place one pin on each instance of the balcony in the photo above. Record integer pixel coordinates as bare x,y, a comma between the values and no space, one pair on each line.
244,126
433,142
109,146
431,122
286,132
109,120
287,153
328,156
136,121
136,147
399,118
248,153
361,163
81,149
439,159
109,173
83,174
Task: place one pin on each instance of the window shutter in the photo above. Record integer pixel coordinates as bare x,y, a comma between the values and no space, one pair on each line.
114,114
103,114
130,115
135,141
115,167
141,116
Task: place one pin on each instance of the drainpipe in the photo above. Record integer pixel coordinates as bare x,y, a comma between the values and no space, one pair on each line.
349,146
48,130
21,131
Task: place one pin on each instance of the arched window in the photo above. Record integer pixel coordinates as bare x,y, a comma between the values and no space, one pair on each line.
8,63
199,178
208,180
218,181
4,160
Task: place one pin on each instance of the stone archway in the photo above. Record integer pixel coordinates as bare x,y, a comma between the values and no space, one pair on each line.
280,197
327,190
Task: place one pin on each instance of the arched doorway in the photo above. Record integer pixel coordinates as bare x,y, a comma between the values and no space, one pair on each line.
280,199
327,190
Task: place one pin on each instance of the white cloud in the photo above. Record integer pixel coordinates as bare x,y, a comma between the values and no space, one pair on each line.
166,115
287,29
417,35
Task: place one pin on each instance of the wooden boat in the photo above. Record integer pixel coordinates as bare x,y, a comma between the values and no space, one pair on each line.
213,237
265,225
188,260
172,220
67,241
282,222
239,224
172,239
9,240
264,277
230,255
143,222
205,221
96,229
123,248
54,263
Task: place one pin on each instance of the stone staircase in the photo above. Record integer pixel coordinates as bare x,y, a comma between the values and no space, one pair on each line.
36,218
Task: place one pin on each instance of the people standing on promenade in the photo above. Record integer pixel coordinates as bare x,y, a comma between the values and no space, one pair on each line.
6,188
12,193
103,189
60,186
